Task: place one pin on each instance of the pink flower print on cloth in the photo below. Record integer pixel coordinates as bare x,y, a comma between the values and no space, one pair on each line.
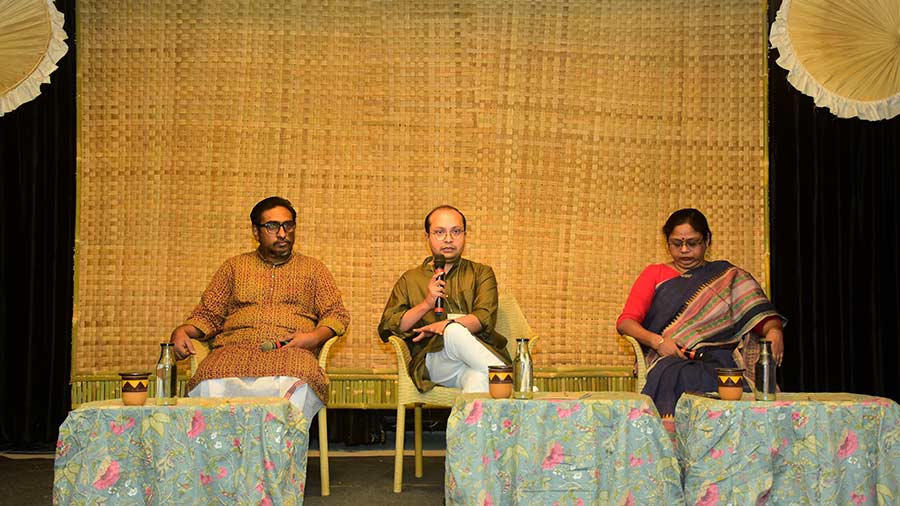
475,414
710,497
849,446
566,413
554,458
119,429
198,424
109,477
636,413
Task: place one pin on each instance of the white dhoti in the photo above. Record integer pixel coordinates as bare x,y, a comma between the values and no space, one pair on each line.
296,391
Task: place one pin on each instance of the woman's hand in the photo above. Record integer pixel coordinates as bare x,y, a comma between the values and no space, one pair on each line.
776,336
773,331
668,347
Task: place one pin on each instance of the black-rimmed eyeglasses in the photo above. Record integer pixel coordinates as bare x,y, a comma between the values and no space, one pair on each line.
272,227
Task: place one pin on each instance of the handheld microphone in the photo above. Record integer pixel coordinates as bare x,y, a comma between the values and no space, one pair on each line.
693,354
439,263
273,345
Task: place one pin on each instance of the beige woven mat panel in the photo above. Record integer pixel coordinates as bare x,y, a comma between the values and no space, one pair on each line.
566,131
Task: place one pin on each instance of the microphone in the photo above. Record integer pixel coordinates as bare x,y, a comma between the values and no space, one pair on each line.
273,345
439,263
693,354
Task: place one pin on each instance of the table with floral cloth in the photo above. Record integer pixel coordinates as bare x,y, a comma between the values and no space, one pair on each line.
202,451
813,449
559,449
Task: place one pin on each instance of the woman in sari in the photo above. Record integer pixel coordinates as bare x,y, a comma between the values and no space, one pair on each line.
693,316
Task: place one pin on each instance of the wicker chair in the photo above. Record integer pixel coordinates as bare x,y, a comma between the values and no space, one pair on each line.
202,350
511,323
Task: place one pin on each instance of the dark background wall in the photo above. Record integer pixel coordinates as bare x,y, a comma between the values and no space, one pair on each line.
834,236
37,238
835,243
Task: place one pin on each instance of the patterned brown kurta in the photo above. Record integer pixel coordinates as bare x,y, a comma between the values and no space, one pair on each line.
250,301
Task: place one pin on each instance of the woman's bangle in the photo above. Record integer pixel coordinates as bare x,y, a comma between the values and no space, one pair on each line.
659,343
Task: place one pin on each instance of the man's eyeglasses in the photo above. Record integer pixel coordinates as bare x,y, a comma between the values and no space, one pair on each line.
273,226
454,233
690,243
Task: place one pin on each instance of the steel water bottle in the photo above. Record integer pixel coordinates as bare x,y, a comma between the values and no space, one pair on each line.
765,373
166,376
523,371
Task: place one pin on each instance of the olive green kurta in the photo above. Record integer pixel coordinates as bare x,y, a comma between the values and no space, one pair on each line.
471,289
250,301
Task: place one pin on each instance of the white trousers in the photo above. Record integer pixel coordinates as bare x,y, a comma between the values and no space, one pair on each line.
463,363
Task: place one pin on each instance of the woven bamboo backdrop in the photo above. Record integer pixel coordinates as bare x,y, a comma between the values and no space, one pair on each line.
566,131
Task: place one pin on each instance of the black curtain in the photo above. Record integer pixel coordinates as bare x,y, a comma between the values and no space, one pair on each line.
37,235
835,224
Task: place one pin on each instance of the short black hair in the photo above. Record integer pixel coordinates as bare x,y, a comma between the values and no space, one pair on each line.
692,217
438,208
270,203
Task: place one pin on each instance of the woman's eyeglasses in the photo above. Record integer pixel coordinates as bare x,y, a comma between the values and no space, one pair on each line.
690,243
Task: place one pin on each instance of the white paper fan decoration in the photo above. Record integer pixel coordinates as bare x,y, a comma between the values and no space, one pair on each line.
843,53
31,42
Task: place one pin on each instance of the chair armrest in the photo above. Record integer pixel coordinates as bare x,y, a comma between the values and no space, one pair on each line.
403,356
323,352
640,364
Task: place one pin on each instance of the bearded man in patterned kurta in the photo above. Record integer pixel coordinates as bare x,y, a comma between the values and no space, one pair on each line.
271,295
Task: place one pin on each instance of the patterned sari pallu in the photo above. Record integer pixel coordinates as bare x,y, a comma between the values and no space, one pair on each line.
711,310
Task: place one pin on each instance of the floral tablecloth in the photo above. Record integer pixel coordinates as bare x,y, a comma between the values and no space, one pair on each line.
810,449
202,451
560,449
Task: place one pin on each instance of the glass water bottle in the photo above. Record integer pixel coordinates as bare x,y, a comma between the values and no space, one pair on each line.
166,376
765,373
523,371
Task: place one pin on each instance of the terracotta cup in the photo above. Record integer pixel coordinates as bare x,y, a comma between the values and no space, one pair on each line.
500,381
134,388
731,383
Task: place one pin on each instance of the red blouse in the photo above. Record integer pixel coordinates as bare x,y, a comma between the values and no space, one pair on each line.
641,295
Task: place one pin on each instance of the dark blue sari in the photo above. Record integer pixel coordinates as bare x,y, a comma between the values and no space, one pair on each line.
712,307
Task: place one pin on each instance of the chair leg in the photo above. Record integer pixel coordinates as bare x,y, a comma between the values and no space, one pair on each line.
418,439
398,450
323,451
